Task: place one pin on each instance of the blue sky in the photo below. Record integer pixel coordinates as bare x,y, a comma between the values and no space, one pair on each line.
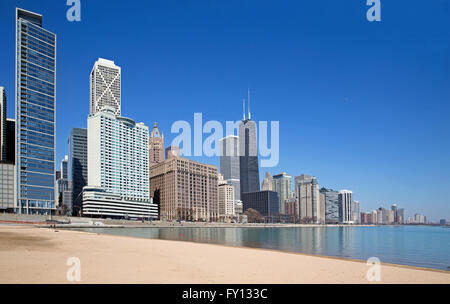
362,106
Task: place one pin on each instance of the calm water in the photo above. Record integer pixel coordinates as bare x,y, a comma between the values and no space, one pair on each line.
416,246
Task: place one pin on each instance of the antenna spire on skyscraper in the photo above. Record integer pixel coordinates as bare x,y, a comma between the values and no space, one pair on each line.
243,102
249,113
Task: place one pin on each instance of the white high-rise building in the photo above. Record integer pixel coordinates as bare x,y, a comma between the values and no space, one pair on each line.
345,202
118,159
105,86
226,199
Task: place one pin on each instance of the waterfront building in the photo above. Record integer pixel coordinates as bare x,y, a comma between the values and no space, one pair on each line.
265,202
401,216
374,217
419,219
443,222
292,208
230,162
307,192
98,203
11,140
331,206
105,86
185,189
267,184
118,155
282,184
355,211
156,146
238,207
391,217
7,187
248,154
35,115
345,204
77,166
62,186
394,209
3,125
225,199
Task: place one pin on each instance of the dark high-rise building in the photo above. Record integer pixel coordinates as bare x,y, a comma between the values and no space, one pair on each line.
3,125
229,163
10,140
77,165
248,155
331,205
35,115
265,202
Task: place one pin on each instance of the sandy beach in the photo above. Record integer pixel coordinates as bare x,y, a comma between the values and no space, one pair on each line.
39,255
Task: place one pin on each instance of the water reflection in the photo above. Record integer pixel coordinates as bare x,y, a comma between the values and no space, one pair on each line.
418,246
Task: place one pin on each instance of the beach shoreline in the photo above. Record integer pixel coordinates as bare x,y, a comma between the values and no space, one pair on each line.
39,255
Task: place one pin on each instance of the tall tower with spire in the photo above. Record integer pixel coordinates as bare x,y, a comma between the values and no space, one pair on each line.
248,153
156,146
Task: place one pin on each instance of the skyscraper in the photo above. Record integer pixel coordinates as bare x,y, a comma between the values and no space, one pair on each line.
118,155
3,124
331,206
229,163
356,214
307,192
156,146
282,184
77,171
267,183
345,204
105,86
35,114
248,154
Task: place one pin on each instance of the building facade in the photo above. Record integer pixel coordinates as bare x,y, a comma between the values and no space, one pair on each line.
105,86
98,203
307,192
3,125
226,199
7,187
331,206
77,165
248,155
185,190
267,183
230,163
356,212
35,115
156,146
345,205
118,155
265,202
282,184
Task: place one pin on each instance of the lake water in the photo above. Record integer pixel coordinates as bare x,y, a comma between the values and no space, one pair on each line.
421,246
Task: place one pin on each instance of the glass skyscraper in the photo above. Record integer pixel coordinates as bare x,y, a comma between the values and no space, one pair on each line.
35,115
77,170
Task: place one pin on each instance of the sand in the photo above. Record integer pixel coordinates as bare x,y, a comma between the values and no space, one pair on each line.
39,255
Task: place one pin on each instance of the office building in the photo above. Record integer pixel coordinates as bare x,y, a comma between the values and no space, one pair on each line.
226,200
248,154
11,140
292,208
238,207
185,189
118,155
307,192
98,203
356,212
345,205
77,166
265,202
401,216
156,146
282,184
6,187
443,222
230,163
35,115
105,86
394,209
3,124
267,184
331,206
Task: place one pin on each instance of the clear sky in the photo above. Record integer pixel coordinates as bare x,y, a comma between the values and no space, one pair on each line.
362,106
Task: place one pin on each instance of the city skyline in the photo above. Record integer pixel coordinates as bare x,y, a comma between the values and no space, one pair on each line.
313,161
